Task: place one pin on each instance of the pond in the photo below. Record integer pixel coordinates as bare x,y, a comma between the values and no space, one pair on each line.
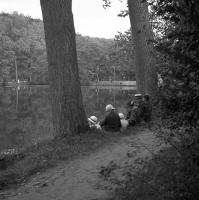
25,111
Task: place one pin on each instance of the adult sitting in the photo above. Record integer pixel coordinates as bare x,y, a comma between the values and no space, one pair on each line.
135,110
92,122
147,108
111,121
130,106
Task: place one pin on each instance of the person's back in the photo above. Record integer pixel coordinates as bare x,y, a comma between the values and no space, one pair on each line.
134,117
141,106
130,105
111,121
147,108
135,112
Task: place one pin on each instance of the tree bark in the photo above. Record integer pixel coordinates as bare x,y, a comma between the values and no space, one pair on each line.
67,108
142,36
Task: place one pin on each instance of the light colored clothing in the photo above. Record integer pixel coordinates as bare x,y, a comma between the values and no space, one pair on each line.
124,124
94,125
98,126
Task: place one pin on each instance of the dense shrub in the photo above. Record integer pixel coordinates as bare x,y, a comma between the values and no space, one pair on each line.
178,48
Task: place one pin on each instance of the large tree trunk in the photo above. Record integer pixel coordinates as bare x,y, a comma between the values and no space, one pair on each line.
142,36
67,107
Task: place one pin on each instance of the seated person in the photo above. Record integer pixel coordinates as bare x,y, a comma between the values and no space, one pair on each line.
92,122
133,117
138,99
124,122
111,121
147,108
130,105
135,110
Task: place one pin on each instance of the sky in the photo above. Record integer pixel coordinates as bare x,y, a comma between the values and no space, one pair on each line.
90,18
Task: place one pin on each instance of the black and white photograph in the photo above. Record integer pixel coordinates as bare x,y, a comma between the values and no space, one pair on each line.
99,99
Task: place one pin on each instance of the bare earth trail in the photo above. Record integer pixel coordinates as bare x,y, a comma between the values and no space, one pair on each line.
79,179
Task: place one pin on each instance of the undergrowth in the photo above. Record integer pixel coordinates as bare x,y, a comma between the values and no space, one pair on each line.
171,174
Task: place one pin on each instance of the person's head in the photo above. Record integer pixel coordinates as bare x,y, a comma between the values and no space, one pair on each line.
138,97
121,115
109,108
92,119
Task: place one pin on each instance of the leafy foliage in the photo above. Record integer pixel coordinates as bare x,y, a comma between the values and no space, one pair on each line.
92,57
22,38
178,49
124,55
176,28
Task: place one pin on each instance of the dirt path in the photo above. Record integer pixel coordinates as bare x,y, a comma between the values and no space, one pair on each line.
79,179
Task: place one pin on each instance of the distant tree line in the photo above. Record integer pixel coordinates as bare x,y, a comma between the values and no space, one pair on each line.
22,43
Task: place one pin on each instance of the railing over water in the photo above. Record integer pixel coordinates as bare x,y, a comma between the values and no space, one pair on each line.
114,83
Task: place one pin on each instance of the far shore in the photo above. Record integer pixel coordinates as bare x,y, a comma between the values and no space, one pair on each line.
92,84
115,83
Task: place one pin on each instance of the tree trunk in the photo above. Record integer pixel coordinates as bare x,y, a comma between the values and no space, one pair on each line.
142,36
67,108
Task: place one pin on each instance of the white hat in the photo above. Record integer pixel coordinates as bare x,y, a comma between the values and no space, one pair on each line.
121,115
92,119
109,107
138,95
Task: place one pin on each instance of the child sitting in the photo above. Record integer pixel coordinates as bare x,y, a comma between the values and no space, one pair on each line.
92,122
124,122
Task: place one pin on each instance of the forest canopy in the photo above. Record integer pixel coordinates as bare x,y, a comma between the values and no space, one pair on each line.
22,38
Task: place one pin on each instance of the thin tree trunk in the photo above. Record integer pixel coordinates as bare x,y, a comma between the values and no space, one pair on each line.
67,107
142,35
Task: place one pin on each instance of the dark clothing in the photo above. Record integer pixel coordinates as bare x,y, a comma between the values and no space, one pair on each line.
147,110
134,112
130,106
111,122
141,109
134,115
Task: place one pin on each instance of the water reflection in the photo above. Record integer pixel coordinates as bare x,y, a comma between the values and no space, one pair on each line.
25,112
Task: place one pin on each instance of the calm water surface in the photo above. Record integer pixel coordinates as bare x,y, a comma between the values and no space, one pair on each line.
25,112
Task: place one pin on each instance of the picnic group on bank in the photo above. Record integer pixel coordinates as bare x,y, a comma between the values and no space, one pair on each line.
138,109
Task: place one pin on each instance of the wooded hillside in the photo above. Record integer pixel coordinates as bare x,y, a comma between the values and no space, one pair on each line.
22,38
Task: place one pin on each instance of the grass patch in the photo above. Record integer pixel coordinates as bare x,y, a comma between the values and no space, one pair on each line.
48,154
167,176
